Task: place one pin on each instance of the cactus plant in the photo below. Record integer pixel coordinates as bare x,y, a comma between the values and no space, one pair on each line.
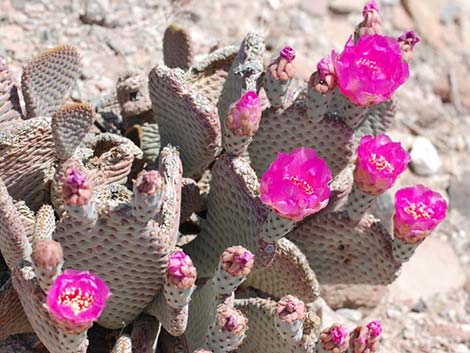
97,230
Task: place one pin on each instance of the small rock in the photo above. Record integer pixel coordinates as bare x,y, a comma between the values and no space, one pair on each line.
462,348
432,256
419,307
95,12
343,7
350,314
424,157
316,8
327,315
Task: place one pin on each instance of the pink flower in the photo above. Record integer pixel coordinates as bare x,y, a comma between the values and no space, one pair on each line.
339,333
418,211
77,190
296,184
375,328
370,71
244,115
77,298
379,163
288,53
181,271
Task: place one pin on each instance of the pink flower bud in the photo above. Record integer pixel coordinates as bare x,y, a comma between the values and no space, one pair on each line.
369,71
231,320
244,115
47,253
335,338
409,37
324,79
370,6
379,163
77,298
366,338
287,53
418,211
237,261
339,334
290,309
77,190
296,184
375,328
407,42
149,182
181,271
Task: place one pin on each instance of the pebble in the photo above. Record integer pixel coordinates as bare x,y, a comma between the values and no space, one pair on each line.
346,6
350,314
462,348
95,12
315,8
424,157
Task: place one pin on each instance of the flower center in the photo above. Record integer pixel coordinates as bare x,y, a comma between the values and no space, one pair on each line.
76,299
300,183
371,64
418,211
381,163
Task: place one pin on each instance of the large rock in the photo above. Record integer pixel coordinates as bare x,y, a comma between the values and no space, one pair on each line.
434,268
345,6
426,18
424,157
352,296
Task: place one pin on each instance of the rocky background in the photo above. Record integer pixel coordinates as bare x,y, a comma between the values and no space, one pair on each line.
428,308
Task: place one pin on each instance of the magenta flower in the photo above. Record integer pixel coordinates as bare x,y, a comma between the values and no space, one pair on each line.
77,298
370,71
181,271
287,53
418,211
375,328
244,115
296,184
379,163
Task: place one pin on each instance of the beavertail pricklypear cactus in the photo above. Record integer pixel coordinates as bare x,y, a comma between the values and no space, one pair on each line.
210,221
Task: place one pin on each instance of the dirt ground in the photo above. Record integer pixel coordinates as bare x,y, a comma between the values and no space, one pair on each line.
428,308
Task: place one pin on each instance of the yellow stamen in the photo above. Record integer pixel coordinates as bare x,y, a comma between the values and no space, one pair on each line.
381,163
76,299
367,62
300,183
418,211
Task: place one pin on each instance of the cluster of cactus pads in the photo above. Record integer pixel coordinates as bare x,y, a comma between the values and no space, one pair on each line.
207,219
